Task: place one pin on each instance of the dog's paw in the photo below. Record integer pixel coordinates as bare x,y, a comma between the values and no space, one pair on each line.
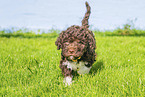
67,81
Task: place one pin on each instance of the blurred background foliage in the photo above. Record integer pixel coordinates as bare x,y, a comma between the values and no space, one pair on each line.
128,29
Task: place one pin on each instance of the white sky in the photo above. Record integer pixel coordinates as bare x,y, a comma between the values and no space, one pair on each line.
45,14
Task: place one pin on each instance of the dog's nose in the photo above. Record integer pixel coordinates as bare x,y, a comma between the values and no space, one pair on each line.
71,51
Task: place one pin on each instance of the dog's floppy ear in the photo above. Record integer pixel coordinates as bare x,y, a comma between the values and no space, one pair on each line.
91,42
91,45
58,42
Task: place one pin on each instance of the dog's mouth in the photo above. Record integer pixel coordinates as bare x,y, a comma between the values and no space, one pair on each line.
72,58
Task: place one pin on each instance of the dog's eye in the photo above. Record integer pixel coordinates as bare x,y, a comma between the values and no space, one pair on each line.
80,42
79,49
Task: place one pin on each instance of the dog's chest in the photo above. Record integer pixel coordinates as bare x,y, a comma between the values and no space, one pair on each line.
80,67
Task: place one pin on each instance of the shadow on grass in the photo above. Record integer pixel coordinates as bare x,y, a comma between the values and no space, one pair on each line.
97,67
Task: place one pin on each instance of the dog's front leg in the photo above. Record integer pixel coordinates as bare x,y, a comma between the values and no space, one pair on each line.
67,72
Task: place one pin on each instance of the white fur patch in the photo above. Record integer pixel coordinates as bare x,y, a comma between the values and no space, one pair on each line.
83,69
71,57
68,80
79,67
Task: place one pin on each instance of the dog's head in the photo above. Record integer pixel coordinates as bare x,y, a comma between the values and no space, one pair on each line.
73,49
74,42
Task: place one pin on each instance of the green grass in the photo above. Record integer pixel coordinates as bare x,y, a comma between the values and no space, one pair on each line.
30,67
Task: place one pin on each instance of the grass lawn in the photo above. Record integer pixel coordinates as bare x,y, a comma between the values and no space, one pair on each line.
30,67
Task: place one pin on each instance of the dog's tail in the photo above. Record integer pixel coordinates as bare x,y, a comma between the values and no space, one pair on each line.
87,14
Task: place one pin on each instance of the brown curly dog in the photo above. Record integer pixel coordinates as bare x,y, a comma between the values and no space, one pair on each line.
78,49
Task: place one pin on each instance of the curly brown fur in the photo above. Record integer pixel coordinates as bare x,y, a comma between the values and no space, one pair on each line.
77,43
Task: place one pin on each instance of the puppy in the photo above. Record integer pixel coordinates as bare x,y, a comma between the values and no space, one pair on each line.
78,49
